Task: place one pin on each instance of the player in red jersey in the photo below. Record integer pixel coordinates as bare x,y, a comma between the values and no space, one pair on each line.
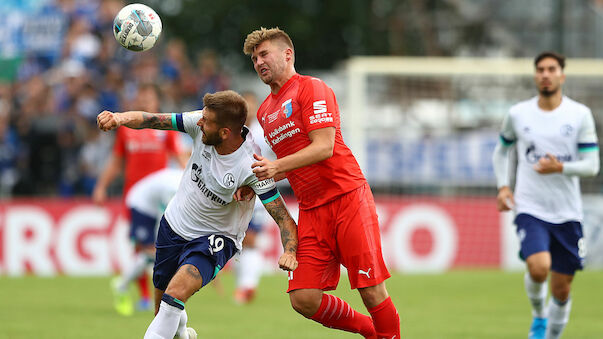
139,152
337,218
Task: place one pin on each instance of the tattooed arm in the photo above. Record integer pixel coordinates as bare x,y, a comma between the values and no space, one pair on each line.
134,119
286,224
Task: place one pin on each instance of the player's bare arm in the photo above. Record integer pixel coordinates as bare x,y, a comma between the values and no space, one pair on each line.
134,119
319,149
288,228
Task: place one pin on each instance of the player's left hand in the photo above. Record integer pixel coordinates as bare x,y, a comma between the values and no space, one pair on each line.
548,164
287,262
264,168
243,193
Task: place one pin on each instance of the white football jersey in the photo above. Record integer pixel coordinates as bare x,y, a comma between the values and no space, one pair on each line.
151,194
554,198
204,203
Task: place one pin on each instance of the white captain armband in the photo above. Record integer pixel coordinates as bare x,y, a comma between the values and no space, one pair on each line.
270,196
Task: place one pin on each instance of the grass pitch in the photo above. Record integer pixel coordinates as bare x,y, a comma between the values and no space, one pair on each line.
459,304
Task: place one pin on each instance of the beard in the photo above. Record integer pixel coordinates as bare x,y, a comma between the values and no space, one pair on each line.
546,92
211,139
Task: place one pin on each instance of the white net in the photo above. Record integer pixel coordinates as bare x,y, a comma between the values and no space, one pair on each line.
423,130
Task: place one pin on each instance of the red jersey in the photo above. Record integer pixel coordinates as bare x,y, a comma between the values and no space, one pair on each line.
144,151
302,105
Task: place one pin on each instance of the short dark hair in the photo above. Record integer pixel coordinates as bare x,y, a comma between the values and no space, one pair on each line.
230,109
548,54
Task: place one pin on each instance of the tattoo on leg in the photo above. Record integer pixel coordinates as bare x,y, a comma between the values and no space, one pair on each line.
193,272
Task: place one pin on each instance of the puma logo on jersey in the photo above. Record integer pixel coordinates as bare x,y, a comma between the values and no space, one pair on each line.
367,273
320,106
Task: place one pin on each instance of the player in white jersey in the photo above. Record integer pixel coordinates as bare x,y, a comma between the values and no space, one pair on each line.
556,144
146,200
204,224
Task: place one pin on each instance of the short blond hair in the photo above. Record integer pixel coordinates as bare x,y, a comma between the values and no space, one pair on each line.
260,35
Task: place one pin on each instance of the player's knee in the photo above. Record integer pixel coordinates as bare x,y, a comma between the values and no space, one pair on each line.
539,273
306,304
373,295
179,292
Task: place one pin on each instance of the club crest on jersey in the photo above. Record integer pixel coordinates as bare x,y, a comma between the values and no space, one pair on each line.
566,130
287,108
228,180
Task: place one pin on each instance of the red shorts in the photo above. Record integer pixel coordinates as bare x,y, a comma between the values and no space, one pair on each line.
344,231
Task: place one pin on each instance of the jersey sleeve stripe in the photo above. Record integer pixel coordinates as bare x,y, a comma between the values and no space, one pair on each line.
588,147
269,196
505,141
177,122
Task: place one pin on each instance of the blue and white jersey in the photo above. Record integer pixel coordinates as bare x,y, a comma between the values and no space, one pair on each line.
204,203
563,132
151,194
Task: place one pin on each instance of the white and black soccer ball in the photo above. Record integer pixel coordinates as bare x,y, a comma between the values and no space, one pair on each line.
137,27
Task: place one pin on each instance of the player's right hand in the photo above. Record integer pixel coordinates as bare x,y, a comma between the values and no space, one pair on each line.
504,199
107,121
287,262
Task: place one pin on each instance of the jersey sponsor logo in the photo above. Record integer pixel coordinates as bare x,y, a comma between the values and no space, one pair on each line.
196,177
321,118
287,108
320,106
533,155
229,180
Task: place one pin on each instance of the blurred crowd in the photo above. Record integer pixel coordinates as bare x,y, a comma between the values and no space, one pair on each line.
49,142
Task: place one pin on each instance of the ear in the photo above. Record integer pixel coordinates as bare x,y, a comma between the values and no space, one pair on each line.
288,54
224,133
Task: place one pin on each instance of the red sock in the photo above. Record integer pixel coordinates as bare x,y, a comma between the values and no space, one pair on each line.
386,320
143,286
336,313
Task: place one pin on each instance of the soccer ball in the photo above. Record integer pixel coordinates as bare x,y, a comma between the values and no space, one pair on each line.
137,27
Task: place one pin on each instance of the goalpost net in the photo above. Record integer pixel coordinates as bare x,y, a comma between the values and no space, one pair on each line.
423,131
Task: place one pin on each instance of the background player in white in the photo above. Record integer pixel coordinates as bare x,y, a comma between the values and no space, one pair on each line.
203,225
556,144
147,200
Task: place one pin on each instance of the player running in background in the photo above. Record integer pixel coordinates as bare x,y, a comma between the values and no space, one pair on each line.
139,154
556,144
203,226
146,201
337,218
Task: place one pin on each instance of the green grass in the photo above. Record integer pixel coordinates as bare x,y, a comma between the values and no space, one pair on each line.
459,304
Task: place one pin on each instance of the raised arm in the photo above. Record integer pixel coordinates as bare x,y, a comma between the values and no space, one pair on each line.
277,209
134,119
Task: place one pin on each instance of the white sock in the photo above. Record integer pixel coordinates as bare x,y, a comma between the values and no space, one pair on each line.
537,295
141,262
250,268
165,323
558,317
182,333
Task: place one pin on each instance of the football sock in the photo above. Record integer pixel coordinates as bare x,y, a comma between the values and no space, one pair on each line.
537,295
141,261
559,312
165,324
249,268
182,332
386,319
336,313
143,286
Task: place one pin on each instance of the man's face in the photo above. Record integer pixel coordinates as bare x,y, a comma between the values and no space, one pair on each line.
210,128
269,61
549,76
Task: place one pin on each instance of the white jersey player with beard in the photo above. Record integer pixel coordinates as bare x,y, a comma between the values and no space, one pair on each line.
204,202
566,132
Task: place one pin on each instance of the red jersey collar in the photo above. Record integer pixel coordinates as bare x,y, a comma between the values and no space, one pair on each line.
285,86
